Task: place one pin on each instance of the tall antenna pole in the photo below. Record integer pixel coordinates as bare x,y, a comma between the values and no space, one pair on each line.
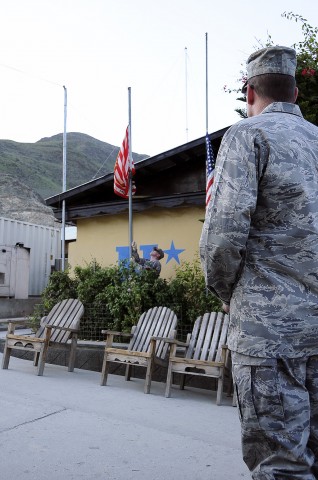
186,91
64,179
130,174
206,85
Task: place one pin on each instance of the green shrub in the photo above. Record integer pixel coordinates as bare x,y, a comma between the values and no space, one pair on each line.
93,279
188,289
131,293
114,297
60,287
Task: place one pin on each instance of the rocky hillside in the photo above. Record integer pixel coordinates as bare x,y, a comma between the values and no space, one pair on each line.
20,202
39,165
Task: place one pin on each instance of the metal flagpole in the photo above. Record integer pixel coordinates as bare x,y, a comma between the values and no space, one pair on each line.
206,84
130,174
206,104
64,180
186,91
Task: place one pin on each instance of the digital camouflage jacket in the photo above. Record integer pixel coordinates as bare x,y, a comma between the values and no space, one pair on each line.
259,243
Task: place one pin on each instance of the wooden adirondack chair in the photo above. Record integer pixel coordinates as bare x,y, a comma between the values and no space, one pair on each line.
206,352
146,346
59,328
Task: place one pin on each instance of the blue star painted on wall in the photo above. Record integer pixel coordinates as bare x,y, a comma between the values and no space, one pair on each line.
173,253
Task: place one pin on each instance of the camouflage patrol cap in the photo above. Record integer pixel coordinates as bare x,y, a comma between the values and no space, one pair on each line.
160,252
276,59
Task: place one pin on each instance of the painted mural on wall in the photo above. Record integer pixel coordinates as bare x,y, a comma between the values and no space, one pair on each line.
171,254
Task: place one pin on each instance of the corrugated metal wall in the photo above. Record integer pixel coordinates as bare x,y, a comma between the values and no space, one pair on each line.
45,245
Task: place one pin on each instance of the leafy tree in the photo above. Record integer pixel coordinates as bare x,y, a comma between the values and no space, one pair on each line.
307,68
306,71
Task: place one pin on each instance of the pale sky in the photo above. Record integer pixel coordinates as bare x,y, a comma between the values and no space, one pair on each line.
99,48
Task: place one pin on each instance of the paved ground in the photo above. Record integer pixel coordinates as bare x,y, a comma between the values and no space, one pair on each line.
66,426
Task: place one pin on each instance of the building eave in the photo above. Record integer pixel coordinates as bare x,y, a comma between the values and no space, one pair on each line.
139,205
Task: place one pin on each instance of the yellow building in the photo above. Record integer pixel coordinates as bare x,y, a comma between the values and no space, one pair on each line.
167,210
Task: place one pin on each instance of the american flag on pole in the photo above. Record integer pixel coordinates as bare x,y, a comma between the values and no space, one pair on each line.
210,165
123,166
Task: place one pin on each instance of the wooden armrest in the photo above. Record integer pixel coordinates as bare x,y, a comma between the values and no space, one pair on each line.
116,334
13,322
172,341
16,320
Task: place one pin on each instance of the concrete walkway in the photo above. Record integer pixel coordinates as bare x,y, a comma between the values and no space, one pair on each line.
66,426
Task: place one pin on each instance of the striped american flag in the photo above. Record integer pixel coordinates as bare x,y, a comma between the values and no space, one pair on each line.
121,170
210,165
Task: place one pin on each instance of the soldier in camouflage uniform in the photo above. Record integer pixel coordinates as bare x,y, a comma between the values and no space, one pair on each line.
259,251
151,263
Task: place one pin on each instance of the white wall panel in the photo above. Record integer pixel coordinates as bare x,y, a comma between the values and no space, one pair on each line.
44,243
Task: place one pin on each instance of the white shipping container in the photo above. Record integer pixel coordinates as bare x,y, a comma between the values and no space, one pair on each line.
44,244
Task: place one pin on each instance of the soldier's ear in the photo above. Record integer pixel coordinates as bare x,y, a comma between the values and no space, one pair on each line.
250,94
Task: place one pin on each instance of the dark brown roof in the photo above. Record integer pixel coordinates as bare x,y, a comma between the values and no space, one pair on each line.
170,179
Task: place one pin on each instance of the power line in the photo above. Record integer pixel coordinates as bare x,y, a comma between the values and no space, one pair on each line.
28,74
104,162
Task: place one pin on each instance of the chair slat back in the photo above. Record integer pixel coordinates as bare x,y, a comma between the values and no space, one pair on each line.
155,322
208,335
211,325
166,328
67,313
193,338
223,337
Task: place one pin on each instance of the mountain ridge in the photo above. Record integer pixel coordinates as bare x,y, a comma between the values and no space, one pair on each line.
40,164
